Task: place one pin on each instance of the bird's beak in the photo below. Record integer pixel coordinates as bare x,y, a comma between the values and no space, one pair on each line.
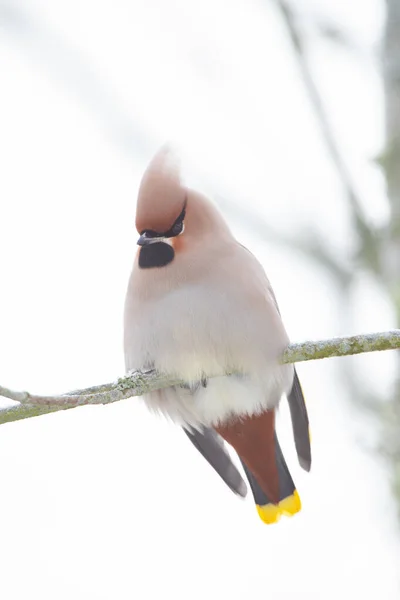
144,240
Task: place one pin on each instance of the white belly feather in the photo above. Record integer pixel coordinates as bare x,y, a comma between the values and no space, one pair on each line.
192,335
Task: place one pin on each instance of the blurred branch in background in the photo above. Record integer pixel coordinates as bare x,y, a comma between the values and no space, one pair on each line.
390,245
308,242
365,231
378,249
390,158
138,383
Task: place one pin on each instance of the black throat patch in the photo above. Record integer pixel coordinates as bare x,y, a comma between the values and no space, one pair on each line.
155,255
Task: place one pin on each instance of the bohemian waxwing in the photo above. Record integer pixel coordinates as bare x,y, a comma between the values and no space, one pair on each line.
200,308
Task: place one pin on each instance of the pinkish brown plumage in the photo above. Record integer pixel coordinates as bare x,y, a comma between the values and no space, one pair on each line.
200,307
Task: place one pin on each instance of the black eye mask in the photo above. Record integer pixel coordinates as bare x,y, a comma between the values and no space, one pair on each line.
173,231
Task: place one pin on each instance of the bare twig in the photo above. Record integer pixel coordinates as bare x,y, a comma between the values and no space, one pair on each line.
138,383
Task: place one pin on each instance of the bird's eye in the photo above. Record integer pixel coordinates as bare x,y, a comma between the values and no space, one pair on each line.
177,228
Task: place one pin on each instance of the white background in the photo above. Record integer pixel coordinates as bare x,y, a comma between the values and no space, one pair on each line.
110,502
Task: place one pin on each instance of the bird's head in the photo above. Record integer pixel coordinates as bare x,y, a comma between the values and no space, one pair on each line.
170,218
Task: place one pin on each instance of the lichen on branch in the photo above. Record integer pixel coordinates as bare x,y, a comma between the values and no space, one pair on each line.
138,383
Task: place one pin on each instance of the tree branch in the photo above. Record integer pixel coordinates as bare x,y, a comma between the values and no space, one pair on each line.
138,383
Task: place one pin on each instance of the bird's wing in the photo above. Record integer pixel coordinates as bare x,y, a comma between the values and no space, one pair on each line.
299,416
212,447
300,423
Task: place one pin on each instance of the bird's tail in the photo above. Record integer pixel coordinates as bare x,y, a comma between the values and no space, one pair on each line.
255,440
289,502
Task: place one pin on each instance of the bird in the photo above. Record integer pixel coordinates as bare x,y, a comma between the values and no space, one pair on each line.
200,308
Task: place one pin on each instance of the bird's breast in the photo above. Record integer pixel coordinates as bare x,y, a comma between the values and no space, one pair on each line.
208,333
196,332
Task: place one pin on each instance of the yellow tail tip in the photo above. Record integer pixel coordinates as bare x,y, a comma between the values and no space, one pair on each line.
291,505
271,513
